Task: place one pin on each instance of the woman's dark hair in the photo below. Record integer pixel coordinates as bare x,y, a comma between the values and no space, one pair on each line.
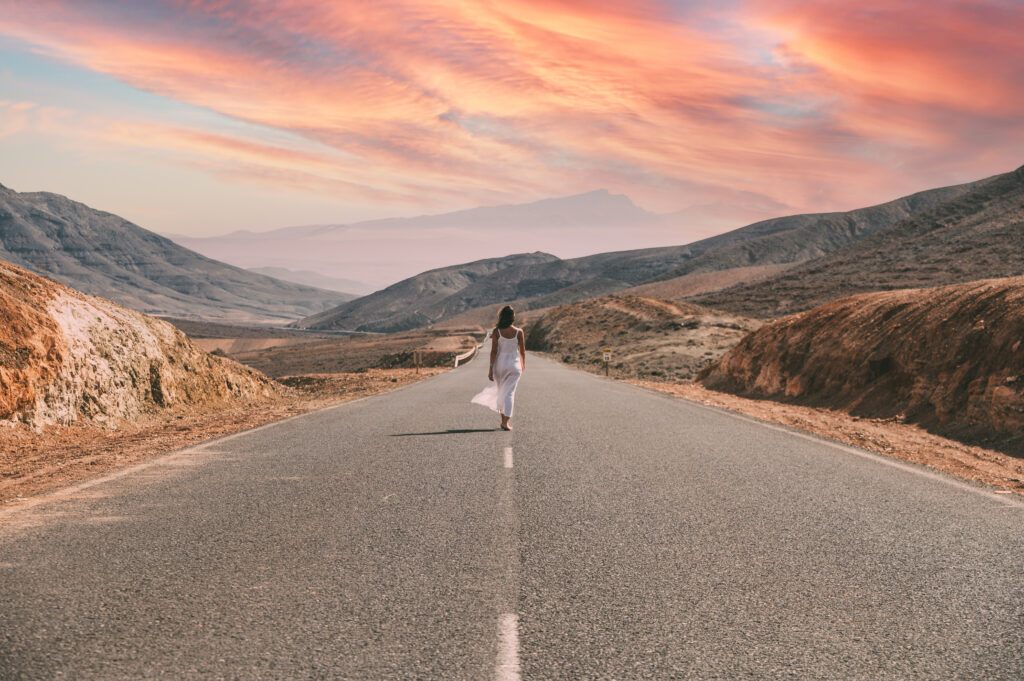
506,317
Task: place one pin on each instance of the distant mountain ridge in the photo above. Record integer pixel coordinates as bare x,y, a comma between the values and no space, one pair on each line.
977,234
805,237
365,250
102,254
348,288
544,282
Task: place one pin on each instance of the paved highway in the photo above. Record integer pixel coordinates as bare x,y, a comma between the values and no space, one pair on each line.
615,534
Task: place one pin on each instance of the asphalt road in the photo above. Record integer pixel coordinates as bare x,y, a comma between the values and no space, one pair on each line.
615,534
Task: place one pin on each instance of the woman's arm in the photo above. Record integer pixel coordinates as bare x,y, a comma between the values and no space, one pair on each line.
522,348
494,354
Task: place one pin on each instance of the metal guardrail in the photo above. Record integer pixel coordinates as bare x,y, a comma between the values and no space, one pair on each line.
469,354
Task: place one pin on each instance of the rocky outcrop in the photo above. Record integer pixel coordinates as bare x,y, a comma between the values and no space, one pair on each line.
66,358
950,359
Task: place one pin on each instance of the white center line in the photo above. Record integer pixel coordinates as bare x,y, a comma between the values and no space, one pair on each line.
507,668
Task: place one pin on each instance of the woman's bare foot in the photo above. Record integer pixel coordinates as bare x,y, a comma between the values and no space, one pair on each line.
505,425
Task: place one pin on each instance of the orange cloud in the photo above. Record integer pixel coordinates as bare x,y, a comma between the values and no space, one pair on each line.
965,55
807,103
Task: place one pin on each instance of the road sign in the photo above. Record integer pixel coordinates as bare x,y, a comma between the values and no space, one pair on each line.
607,353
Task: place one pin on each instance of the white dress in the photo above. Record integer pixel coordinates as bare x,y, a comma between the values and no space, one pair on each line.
500,394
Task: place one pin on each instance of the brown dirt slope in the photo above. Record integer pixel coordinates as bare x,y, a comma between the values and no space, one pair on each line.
650,338
950,359
32,347
697,283
71,358
978,234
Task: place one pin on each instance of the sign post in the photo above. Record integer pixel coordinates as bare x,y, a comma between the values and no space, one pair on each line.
606,353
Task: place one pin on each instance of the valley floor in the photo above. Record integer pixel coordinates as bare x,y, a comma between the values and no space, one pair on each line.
32,463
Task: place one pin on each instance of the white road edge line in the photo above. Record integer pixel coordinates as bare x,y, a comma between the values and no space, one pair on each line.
938,476
507,668
508,457
979,489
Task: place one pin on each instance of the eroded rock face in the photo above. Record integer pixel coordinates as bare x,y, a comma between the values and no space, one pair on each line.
949,358
70,358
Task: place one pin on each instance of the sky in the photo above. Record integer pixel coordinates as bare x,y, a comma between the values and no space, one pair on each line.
201,117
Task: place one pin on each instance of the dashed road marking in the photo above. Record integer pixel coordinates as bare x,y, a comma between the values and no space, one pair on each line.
507,668
508,457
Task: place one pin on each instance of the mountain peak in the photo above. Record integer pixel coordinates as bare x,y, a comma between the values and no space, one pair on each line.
104,255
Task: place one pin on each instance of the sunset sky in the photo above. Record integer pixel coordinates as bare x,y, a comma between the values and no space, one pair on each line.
203,117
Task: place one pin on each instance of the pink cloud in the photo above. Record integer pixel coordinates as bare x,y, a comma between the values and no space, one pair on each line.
524,98
964,55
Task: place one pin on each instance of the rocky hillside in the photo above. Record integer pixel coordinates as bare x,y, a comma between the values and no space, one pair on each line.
794,241
950,359
737,257
416,301
649,338
70,358
978,234
104,255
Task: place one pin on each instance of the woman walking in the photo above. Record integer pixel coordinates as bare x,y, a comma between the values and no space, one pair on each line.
508,359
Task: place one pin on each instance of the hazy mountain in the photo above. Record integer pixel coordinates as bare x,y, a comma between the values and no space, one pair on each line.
748,253
978,234
412,302
349,288
365,251
104,255
805,237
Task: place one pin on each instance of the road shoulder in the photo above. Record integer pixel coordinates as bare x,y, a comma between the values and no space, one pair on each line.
34,463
